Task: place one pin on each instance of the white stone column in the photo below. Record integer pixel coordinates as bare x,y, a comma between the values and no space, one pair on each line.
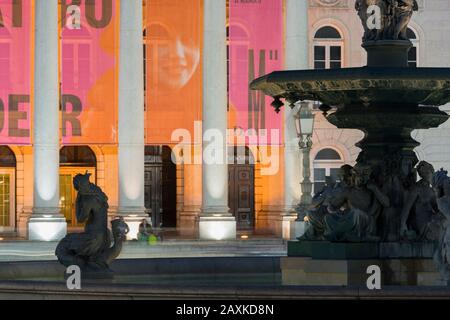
46,222
131,116
297,57
215,221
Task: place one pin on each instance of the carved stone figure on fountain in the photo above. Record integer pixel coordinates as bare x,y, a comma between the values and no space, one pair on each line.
319,207
394,18
403,11
420,218
376,33
353,211
92,250
441,185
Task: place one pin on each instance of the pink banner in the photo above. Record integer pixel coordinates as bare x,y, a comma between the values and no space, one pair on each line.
15,57
89,71
256,48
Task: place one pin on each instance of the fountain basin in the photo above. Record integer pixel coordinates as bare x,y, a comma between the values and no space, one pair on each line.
360,86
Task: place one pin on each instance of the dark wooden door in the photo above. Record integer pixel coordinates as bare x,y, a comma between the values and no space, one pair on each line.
160,186
241,194
153,192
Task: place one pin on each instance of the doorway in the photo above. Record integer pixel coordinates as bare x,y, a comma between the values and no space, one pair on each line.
73,161
160,186
241,187
7,190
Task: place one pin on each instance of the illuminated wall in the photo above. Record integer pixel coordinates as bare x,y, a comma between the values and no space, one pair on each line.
15,72
255,48
173,33
89,71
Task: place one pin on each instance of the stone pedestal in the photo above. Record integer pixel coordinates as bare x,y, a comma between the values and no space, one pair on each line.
314,272
345,264
133,218
387,53
288,226
43,227
217,228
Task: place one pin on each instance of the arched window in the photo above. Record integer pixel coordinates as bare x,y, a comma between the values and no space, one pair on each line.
327,162
328,48
73,160
5,55
76,55
81,156
413,54
238,44
7,189
156,53
7,157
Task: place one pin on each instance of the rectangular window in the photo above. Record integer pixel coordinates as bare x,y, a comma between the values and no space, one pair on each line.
412,57
327,56
4,63
319,57
335,57
319,179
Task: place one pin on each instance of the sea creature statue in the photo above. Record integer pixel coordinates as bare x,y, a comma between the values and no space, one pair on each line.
441,185
95,248
395,16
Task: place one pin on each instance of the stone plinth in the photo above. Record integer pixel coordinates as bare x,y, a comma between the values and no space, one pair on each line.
360,250
403,272
345,264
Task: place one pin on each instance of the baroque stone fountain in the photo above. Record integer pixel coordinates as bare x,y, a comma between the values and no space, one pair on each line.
365,219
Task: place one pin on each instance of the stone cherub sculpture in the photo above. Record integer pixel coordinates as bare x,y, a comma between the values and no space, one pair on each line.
319,207
354,210
420,208
395,16
95,248
441,185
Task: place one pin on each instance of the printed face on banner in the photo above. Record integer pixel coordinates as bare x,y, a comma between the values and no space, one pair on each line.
15,71
255,49
89,49
172,67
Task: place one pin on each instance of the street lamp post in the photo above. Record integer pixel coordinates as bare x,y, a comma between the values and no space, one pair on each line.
304,124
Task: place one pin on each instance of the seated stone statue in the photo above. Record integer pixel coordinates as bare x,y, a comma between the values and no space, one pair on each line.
92,250
441,185
319,207
353,211
420,208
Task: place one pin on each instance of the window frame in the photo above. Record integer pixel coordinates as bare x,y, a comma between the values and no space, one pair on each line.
326,164
416,44
327,43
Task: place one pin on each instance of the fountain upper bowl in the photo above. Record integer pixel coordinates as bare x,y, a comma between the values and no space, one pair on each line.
365,85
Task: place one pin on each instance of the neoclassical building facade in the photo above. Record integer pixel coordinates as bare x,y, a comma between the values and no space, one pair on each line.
179,150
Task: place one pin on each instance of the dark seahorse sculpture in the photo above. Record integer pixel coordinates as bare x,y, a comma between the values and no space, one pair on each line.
94,249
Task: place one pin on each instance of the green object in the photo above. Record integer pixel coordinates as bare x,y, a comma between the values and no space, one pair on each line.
152,239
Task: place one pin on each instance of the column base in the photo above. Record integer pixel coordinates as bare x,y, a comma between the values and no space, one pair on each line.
46,224
187,223
217,227
288,224
270,220
133,217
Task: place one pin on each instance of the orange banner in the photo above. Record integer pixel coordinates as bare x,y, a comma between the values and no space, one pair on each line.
89,71
173,31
